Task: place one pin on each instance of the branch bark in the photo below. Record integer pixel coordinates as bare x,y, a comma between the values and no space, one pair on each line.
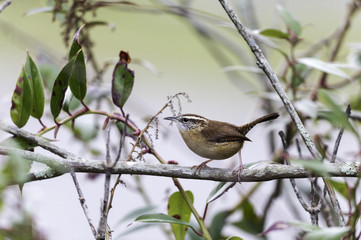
260,174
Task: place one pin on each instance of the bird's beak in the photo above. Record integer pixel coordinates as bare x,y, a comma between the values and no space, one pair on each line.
170,118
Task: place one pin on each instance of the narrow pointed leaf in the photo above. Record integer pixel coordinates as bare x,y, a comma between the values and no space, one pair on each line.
36,82
324,67
215,191
341,188
122,82
59,89
160,218
314,166
75,46
19,142
275,33
331,233
77,81
291,22
21,102
335,115
250,222
178,208
217,224
137,212
16,169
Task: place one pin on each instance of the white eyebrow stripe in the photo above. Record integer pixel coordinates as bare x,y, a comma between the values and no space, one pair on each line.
193,117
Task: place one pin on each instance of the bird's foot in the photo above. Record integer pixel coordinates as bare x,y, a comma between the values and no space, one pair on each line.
239,171
200,166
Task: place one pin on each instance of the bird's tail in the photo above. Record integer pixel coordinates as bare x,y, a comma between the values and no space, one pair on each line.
247,127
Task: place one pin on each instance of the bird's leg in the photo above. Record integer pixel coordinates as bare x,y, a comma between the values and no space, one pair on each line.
240,168
202,165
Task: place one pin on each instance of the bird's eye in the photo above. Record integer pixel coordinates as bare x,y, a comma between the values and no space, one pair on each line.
185,119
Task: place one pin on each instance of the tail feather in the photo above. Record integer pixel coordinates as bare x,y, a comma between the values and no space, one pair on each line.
244,129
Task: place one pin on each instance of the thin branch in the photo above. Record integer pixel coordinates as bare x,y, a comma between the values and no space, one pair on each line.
82,202
216,197
122,139
314,209
4,5
102,228
260,174
339,136
292,180
60,166
265,66
354,5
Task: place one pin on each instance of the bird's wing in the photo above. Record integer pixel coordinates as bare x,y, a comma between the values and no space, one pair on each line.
226,133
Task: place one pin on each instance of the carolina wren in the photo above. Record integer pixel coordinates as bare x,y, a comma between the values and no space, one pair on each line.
214,139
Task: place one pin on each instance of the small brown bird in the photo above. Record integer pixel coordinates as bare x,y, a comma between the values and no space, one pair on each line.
214,139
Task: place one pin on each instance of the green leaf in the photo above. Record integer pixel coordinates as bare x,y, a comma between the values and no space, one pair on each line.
315,166
283,225
160,218
215,191
21,101
75,46
36,82
324,67
77,81
137,212
335,115
341,188
16,169
70,102
275,33
299,75
85,129
178,208
122,83
250,222
217,224
19,142
292,23
234,238
59,89
331,233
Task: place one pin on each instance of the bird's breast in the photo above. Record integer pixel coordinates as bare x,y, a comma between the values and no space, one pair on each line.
210,149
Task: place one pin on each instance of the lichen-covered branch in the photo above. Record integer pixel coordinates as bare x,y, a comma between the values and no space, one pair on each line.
261,173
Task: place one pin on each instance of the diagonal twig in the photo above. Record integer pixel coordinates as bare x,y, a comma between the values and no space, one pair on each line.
265,66
339,136
4,5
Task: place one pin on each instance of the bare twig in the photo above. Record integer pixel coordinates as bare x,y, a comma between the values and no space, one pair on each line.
265,66
60,166
292,180
4,5
339,136
82,202
118,181
141,135
353,6
216,197
102,228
